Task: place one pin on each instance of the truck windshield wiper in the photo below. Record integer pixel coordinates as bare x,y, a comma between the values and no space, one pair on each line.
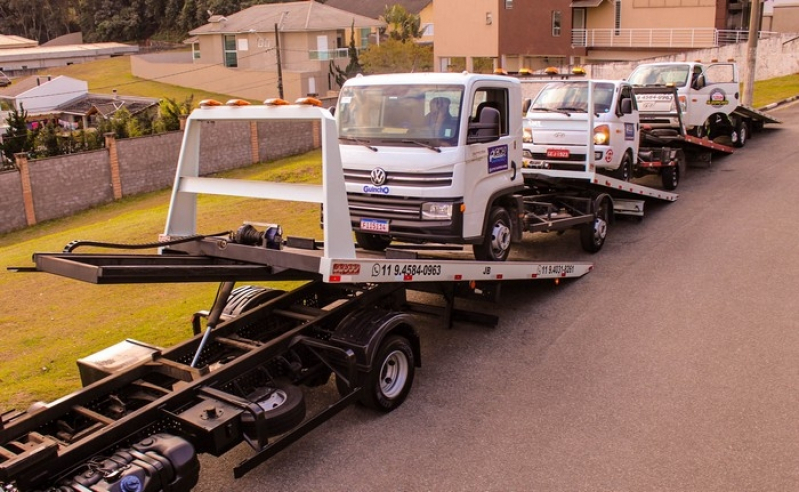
359,142
572,109
550,110
422,144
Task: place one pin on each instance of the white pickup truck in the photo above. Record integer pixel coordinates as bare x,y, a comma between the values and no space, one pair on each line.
556,128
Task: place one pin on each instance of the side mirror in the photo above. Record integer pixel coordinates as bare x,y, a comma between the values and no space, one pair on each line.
526,105
332,110
626,106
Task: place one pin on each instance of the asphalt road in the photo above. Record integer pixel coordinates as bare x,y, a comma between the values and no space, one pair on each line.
673,366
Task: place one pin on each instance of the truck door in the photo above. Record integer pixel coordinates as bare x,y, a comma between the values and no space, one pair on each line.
493,150
714,89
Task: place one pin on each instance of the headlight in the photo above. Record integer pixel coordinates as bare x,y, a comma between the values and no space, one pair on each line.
436,211
527,135
601,135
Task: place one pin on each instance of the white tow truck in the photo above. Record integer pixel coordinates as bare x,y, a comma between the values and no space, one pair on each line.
145,413
707,95
561,134
416,175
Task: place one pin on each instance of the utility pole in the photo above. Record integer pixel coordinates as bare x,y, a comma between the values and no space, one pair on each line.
751,52
279,64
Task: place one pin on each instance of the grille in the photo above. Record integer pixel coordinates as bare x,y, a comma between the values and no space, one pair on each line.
418,180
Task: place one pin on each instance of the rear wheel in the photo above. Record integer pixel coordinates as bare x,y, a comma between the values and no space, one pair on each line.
740,134
670,176
593,235
372,242
497,237
389,381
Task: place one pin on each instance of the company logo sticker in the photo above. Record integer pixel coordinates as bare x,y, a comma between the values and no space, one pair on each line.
629,131
497,158
717,97
380,190
346,269
609,155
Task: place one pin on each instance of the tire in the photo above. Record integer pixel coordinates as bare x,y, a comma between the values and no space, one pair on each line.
284,409
372,242
496,238
593,235
740,134
670,177
390,379
625,170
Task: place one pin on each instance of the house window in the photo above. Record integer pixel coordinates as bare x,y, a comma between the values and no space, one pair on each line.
508,4
617,17
365,37
556,23
231,59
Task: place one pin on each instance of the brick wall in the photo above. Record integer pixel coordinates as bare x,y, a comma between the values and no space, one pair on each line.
12,209
62,186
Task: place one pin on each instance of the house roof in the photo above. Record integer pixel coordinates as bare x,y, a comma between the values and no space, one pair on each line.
376,8
9,41
291,17
106,105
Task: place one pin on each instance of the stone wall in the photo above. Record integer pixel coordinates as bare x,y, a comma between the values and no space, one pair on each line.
12,209
57,187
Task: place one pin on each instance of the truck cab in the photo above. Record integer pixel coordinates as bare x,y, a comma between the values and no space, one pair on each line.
432,157
560,132
708,94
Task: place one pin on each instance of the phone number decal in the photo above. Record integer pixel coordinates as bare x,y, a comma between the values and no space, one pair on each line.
415,270
555,269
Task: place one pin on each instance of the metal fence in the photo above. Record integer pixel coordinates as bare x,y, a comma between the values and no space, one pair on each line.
659,38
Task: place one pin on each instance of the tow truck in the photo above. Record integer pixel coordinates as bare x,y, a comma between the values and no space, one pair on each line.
707,96
145,413
463,179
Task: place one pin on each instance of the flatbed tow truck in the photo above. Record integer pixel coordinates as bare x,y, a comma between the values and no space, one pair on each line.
144,413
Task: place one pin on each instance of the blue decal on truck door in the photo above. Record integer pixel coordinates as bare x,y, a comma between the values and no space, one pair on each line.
497,158
629,131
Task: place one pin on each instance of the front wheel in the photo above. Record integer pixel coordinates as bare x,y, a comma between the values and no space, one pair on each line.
497,237
372,242
391,376
625,170
593,235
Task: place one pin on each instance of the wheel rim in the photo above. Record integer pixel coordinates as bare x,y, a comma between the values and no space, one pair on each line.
500,239
675,176
600,227
394,374
742,135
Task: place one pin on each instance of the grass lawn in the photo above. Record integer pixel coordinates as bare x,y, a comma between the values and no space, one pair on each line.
47,322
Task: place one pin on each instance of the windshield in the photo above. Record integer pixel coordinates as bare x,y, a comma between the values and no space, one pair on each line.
650,75
573,97
410,115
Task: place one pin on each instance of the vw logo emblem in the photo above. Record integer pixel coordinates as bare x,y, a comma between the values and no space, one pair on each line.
559,135
378,176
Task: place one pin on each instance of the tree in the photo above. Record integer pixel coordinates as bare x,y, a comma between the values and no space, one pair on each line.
170,112
353,67
403,25
17,138
395,56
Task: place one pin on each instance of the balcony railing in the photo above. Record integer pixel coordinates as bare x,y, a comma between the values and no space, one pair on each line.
330,54
658,38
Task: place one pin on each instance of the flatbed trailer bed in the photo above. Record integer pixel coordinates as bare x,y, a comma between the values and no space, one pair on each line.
145,412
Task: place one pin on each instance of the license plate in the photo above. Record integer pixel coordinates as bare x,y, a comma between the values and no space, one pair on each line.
374,225
558,153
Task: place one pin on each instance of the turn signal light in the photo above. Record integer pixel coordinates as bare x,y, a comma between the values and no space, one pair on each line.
276,101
